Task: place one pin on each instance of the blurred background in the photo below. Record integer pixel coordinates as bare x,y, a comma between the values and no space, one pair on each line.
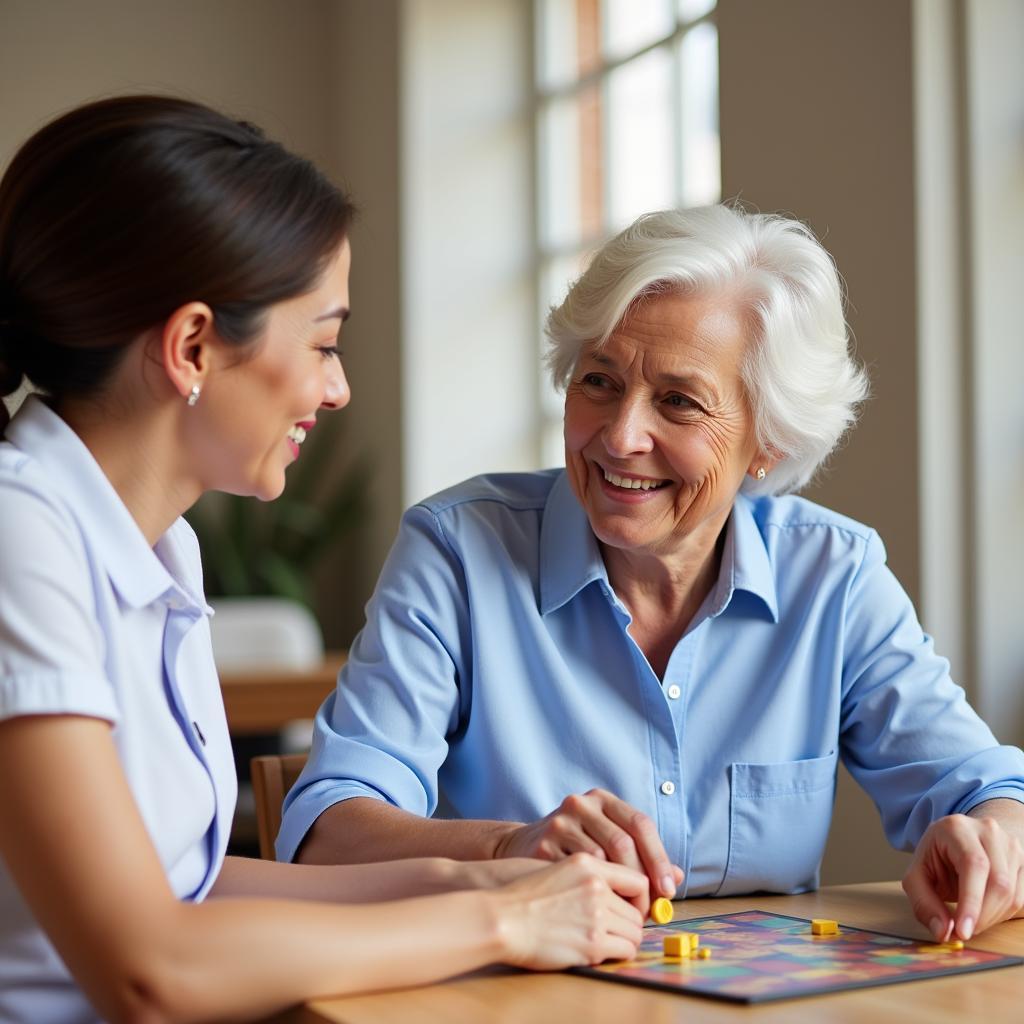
491,144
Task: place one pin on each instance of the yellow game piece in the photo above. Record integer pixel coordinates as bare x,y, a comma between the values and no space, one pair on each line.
661,910
694,941
676,945
822,926
704,953
953,946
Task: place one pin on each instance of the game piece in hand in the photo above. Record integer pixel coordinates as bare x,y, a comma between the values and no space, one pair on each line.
953,946
661,910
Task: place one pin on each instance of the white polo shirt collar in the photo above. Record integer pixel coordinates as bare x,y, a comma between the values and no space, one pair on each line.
141,575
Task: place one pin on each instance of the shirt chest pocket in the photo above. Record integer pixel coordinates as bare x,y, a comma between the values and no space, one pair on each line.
779,816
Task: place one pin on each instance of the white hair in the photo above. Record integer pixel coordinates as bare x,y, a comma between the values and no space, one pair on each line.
801,379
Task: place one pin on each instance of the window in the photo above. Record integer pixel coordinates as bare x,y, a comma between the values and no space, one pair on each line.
627,122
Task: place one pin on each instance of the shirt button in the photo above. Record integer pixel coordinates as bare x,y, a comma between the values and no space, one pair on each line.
668,788
674,692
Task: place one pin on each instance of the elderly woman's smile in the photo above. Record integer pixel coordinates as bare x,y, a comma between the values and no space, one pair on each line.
631,488
658,431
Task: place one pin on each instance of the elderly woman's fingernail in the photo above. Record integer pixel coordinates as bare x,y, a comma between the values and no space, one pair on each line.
967,928
935,927
668,885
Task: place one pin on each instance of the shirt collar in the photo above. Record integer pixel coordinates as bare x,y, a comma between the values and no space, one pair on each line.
745,562
570,558
137,571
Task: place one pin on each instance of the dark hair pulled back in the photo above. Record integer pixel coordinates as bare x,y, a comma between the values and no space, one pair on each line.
121,211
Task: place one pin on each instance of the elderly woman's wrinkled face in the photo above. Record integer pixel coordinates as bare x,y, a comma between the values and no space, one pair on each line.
658,431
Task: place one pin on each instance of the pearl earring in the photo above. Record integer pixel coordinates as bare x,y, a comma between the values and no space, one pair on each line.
760,474
193,395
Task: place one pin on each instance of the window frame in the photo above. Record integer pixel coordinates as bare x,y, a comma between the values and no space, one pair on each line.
546,254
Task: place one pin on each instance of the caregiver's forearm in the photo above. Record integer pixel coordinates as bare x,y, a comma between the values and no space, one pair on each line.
362,829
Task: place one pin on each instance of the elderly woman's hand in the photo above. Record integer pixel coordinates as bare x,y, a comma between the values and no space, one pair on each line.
975,861
599,823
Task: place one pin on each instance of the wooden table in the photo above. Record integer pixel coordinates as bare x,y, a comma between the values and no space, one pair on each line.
500,996
266,700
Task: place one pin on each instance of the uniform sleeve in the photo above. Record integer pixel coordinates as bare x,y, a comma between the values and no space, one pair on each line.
51,646
383,733
909,737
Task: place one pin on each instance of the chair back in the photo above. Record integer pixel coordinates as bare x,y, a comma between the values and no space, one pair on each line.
272,776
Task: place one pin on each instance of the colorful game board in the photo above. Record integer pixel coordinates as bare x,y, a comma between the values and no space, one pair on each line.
756,957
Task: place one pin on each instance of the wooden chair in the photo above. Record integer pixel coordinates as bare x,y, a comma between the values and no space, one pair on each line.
272,777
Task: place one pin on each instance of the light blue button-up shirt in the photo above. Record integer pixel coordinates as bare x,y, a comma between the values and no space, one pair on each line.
96,622
495,675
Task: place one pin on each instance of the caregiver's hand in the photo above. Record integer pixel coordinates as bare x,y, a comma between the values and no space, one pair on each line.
599,823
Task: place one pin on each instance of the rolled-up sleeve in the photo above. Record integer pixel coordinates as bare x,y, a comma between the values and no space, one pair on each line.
383,733
909,737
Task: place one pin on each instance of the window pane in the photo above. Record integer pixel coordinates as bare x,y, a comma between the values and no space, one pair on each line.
556,276
556,42
691,10
641,162
558,151
571,178
630,25
644,137
567,40
700,156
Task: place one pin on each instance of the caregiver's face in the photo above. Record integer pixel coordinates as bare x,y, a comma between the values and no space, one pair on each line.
658,431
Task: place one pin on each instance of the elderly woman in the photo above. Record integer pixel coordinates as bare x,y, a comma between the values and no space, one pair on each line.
663,627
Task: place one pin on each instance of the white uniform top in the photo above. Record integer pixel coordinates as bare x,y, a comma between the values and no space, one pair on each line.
93,621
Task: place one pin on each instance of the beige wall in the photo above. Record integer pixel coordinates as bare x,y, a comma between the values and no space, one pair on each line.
993,34
363,133
257,58
469,352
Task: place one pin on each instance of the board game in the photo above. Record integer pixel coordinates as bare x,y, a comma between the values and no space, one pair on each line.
756,957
